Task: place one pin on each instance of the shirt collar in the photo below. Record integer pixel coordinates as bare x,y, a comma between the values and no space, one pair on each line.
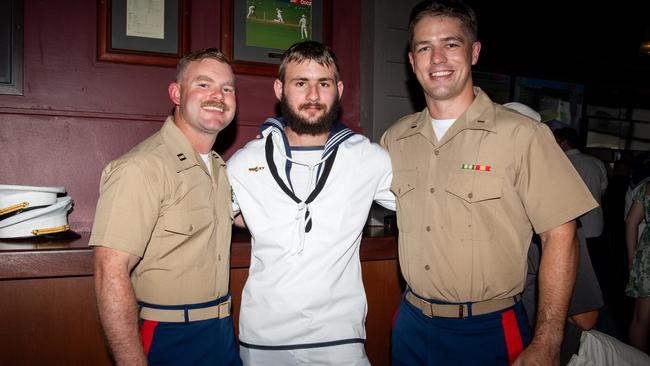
479,116
180,147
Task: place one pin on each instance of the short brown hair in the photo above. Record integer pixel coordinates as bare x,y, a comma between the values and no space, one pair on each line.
309,51
199,55
445,8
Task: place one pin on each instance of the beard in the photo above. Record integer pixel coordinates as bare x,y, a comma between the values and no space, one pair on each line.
302,126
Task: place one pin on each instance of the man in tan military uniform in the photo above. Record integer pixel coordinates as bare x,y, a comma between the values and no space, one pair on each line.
162,231
472,181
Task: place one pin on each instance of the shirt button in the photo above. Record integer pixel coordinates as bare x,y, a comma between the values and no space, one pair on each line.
427,267
428,228
432,190
219,257
470,195
436,152
190,228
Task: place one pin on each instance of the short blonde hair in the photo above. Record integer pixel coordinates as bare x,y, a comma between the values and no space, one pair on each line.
198,55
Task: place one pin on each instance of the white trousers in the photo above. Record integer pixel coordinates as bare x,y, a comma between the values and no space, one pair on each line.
599,349
352,354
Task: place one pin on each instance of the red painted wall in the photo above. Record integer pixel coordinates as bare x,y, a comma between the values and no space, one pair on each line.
77,114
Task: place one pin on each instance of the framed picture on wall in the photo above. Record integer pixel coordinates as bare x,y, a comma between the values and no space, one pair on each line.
148,32
255,33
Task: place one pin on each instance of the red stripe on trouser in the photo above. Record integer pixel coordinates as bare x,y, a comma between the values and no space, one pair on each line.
392,321
146,332
511,333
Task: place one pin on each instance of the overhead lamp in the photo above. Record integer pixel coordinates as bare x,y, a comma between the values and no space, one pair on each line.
644,49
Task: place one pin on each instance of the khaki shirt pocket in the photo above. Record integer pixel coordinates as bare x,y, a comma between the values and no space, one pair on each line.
403,186
187,223
471,205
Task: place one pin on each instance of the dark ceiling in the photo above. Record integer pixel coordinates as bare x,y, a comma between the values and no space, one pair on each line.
596,45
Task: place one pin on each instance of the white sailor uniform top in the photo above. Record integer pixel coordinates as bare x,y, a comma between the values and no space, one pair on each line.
304,287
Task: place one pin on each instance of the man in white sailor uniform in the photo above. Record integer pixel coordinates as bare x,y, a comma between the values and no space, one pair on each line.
304,190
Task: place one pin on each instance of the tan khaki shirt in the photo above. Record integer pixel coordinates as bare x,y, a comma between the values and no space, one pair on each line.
160,203
467,204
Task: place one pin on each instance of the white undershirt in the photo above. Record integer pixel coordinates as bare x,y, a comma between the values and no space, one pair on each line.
206,160
440,126
300,174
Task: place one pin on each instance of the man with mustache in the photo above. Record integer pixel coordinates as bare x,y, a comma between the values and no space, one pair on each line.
304,190
162,231
473,179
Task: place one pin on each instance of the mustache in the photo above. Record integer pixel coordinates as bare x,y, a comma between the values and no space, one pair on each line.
312,105
215,103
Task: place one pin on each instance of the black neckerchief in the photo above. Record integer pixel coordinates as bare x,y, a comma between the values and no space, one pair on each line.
319,185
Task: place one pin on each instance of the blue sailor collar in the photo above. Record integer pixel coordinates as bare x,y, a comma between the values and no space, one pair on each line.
338,133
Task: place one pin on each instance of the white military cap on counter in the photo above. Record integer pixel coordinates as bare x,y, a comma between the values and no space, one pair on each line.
39,221
525,110
14,197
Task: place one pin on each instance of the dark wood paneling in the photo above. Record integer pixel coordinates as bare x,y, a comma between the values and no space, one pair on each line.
55,263
381,280
50,322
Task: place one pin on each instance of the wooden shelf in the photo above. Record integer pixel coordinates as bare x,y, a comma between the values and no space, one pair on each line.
47,258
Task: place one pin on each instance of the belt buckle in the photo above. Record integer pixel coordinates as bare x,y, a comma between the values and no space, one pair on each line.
224,309
427,309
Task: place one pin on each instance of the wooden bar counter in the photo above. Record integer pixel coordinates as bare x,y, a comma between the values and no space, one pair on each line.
47,306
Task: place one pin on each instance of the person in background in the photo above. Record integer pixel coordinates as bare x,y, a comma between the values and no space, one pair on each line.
304,190
278,15
161,234
468,180
302,23
593,173
638,249
639,176
581,344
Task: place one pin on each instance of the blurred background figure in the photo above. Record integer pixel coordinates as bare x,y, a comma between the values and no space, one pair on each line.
638,247
581,345
594,174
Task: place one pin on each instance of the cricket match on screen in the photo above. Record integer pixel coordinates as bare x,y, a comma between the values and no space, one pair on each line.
277,23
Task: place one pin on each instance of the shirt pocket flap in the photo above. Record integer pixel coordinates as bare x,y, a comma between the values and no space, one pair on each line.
474,187
403,182
187,222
